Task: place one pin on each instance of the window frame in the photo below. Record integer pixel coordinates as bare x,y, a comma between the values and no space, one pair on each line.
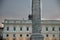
14,28
53,35
47,35
14,35
20,28
7,35
59,28
27,28
46,28
53,28
7,28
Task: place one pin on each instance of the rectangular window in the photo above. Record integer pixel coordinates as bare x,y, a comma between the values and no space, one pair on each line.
13,35
53,29
46,35
53,35
14,28
7,35
27,28
7,21
59,28
59,35
20,28
59,38
7,28
14,38
14,21
46,28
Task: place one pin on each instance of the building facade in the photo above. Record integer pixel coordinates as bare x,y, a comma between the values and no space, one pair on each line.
1,34
22,29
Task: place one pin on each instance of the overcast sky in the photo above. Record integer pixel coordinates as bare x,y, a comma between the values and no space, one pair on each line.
20,9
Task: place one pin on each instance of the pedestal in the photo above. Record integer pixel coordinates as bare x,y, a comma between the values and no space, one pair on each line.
37,36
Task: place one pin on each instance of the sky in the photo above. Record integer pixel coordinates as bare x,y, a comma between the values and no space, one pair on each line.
19,9
51,9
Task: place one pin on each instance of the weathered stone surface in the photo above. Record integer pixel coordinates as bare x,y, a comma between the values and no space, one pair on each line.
36,21
37,37
36,18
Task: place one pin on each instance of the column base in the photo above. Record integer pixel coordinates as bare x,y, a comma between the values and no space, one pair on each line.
36,36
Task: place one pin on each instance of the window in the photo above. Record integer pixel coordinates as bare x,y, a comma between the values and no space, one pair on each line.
14,38
7,28
14,29
46,35
59,38
27,35
7,35
20,28
59,28
46,28
59,35
53,29
20,35
7,21
53,35
14,21
27,28
13,35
